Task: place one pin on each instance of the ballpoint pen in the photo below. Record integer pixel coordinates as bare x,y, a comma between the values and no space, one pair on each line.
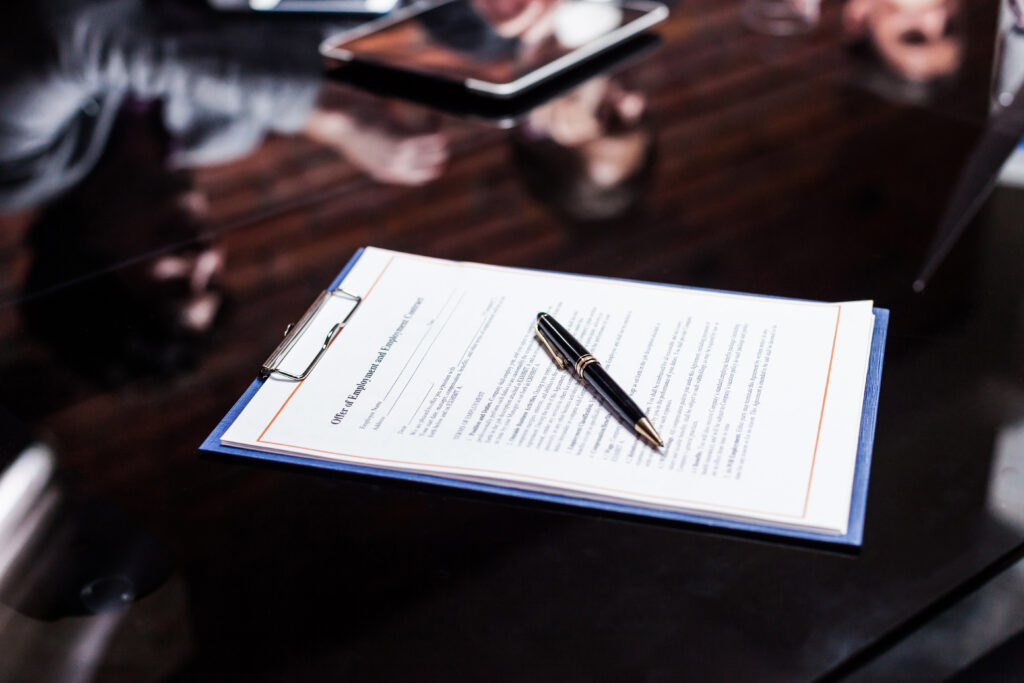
565,350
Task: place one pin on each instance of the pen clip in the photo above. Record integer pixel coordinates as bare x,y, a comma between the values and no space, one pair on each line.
559,359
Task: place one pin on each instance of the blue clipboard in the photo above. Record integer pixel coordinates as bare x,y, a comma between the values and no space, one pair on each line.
858,504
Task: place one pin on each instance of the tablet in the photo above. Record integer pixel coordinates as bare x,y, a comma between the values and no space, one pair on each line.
498,48
452,98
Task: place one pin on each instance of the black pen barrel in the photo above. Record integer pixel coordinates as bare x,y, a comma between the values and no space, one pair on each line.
586,367
566,344
612,393
593,374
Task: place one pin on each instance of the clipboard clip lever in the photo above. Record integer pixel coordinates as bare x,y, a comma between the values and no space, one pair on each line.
272,366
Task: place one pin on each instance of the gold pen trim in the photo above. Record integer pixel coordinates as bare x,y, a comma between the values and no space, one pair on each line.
583,362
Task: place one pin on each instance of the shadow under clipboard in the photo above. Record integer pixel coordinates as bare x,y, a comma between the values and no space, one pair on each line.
533,505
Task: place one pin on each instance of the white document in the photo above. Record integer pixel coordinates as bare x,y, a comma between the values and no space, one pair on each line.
439,372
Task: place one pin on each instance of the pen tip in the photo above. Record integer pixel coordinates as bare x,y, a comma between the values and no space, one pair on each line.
648,432
541,315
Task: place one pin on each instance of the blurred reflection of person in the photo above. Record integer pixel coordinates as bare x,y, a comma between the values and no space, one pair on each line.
104,108
385,147
490,30
781,17
520,30
528,20
132,239
588,155
918,40
67,66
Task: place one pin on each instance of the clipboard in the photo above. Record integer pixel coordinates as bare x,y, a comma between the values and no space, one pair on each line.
272,366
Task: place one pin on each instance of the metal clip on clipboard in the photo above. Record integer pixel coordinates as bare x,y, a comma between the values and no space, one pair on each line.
272,366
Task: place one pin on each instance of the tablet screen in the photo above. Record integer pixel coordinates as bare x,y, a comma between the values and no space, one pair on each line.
497,41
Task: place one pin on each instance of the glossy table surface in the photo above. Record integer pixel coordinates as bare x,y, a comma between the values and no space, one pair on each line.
795,166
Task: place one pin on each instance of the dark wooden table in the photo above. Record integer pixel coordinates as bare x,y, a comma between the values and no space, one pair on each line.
782,168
